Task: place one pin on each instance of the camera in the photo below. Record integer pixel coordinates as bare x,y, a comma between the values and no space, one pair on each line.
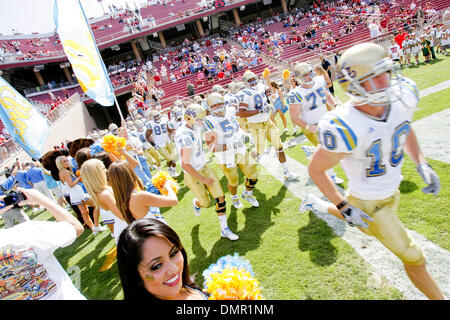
14,198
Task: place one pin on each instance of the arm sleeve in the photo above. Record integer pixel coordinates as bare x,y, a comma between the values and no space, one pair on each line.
51,235
335,134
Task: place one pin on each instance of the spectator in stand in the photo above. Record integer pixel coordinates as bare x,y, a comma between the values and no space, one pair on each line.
326,65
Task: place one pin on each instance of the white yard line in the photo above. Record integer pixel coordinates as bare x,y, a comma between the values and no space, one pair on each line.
432,133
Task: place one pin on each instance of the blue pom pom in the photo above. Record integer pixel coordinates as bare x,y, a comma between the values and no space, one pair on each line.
227,261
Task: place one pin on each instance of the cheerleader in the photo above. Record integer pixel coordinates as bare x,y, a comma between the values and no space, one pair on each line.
77,196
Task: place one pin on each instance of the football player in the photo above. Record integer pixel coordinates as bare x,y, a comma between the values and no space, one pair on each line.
150,153
369,135
225,139
308,102
254,106
157,133
198,175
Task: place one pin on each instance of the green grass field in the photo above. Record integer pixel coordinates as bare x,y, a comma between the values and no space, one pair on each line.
294,256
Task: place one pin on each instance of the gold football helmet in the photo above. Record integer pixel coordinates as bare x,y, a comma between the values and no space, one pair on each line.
178,103
217,88
216,104
156,115
362,63
177,112
194,114
249,79
303,72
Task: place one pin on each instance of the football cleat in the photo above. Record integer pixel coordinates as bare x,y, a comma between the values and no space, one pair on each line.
289,176
251,199
308,150
226,233
196,209
307,204
336,179
237,203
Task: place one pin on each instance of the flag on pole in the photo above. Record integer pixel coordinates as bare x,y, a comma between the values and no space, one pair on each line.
26,125
80,47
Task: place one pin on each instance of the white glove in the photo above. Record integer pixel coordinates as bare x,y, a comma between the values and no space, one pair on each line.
354,217
430,177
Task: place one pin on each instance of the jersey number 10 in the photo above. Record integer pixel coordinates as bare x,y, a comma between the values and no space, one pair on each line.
377,168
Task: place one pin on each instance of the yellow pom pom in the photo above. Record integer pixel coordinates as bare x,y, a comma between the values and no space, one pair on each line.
110,142
233,284
159,180
286,74
266,73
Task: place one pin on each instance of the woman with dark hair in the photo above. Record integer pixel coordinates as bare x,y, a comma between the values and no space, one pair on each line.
153,264
131,198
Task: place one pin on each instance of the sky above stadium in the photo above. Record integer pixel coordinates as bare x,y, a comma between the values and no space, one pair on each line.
27,16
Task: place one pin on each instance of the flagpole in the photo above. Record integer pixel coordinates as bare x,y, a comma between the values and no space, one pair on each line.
118,108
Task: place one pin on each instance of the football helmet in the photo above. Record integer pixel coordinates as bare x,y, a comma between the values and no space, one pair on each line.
216,104
156,115
249,79
178,103
198,100
217,88
194,114
177,112
239,86
304,73
362,63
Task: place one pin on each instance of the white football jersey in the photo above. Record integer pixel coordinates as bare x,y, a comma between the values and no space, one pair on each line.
191,139
375,147
141,136
255,100
231,104
160,134
174,125
229,133
313,100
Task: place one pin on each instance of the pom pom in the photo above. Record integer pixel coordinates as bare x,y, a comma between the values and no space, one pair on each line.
231,278
111,142
160,179
286,74
266,73
78,173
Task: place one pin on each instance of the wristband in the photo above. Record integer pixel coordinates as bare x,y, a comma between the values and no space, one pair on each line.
342,204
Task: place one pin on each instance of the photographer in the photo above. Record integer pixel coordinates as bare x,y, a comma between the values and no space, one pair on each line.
6,187
32,270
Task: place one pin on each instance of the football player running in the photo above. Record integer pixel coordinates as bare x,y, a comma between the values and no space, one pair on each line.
150,153
158,134
254,106
308,102
198,175
369,135
225,139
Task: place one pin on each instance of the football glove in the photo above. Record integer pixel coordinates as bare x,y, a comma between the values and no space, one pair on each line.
430,177
354,217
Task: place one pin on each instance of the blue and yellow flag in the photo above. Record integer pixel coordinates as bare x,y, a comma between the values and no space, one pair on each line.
80,47
26,125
